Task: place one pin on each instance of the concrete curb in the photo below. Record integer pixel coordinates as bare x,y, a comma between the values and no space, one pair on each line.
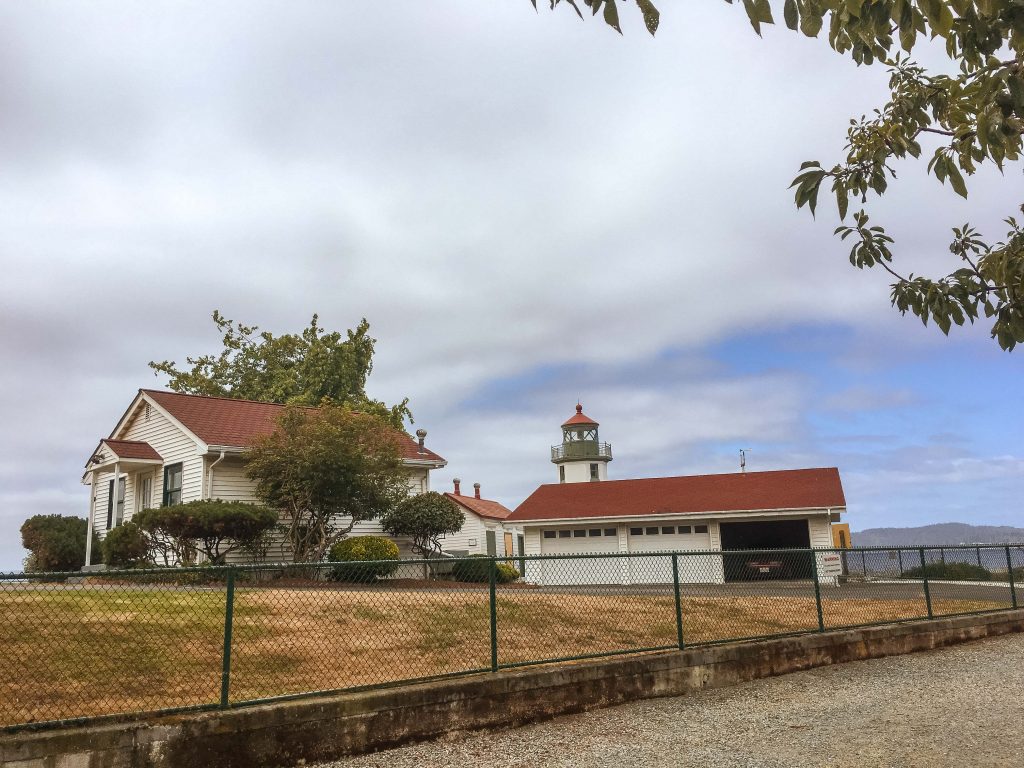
324,728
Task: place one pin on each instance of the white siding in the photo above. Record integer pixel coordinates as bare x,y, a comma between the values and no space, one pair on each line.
230,482
470,538
173,445
821,531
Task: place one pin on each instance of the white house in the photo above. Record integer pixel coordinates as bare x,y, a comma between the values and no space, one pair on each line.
585,513
484,531
169,448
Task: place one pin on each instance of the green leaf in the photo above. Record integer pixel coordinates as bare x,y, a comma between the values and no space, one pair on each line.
842,201
611,15
652,17
790,14
956,179
810,22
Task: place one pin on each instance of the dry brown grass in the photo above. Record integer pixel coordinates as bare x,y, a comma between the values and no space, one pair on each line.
88,651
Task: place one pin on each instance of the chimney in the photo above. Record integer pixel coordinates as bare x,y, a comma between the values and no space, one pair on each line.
422,435
476,490
458,492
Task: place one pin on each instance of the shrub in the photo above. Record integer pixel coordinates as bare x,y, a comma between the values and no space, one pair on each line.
125,546
56,543
950,571
377,557
477,569
507,573
212,527
424,518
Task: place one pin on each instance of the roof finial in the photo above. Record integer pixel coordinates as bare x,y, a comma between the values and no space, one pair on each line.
579,407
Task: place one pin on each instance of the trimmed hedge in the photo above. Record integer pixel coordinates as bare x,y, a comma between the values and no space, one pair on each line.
378,549
476,568
125,546
950,571
56,543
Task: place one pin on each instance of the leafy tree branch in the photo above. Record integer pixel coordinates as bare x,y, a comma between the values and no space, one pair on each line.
978,107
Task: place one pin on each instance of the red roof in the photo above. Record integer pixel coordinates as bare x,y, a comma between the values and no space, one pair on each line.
237,423
750,491
579,418
132,449
482,507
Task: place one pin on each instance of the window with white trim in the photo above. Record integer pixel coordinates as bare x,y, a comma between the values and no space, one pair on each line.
172,485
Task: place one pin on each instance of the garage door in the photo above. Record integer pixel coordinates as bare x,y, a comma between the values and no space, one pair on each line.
672,537
757,539
579,541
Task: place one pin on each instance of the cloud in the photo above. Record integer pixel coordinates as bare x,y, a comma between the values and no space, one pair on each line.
527,208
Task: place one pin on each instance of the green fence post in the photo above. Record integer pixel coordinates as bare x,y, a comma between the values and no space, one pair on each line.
899,553
817,590
493,579
978,552
864,564
1009,571
229,622
679,602
924,575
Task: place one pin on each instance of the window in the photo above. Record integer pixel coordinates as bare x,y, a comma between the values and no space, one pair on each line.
115,514
611,531
700,529
172,485
561,473
564,534
492,543
668,529
652,531
579,532
145,486
685,529
636,531
593,472
549,534
594,532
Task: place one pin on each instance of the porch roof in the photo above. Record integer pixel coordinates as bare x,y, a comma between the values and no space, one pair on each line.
134,452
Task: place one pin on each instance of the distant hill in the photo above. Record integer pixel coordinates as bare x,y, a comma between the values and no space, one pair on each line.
938,534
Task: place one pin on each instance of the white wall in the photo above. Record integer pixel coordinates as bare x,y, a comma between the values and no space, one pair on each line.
579,471
173,445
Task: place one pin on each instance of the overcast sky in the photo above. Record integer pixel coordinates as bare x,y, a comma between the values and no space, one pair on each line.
528,209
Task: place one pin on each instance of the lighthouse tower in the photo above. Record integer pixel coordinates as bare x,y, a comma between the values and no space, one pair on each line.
582,457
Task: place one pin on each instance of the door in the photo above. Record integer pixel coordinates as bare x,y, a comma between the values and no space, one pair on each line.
509,551
672,536
757,539
492,543
595,539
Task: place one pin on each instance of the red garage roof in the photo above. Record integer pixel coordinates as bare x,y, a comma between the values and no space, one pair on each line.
237,423
749,491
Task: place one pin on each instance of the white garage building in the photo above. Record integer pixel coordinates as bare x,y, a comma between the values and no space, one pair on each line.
586,514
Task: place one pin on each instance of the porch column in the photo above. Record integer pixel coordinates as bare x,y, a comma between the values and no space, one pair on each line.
114,494
92,519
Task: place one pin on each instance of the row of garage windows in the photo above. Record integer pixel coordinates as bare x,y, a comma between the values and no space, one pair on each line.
654,530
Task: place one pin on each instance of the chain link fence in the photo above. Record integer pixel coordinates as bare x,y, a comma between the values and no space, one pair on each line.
116,643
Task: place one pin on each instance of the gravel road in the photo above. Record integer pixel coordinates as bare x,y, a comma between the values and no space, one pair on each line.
960,707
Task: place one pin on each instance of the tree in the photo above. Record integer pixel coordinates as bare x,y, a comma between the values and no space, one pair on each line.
125,546
212,527
308,368
969,115
424,518
55,543
327,469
